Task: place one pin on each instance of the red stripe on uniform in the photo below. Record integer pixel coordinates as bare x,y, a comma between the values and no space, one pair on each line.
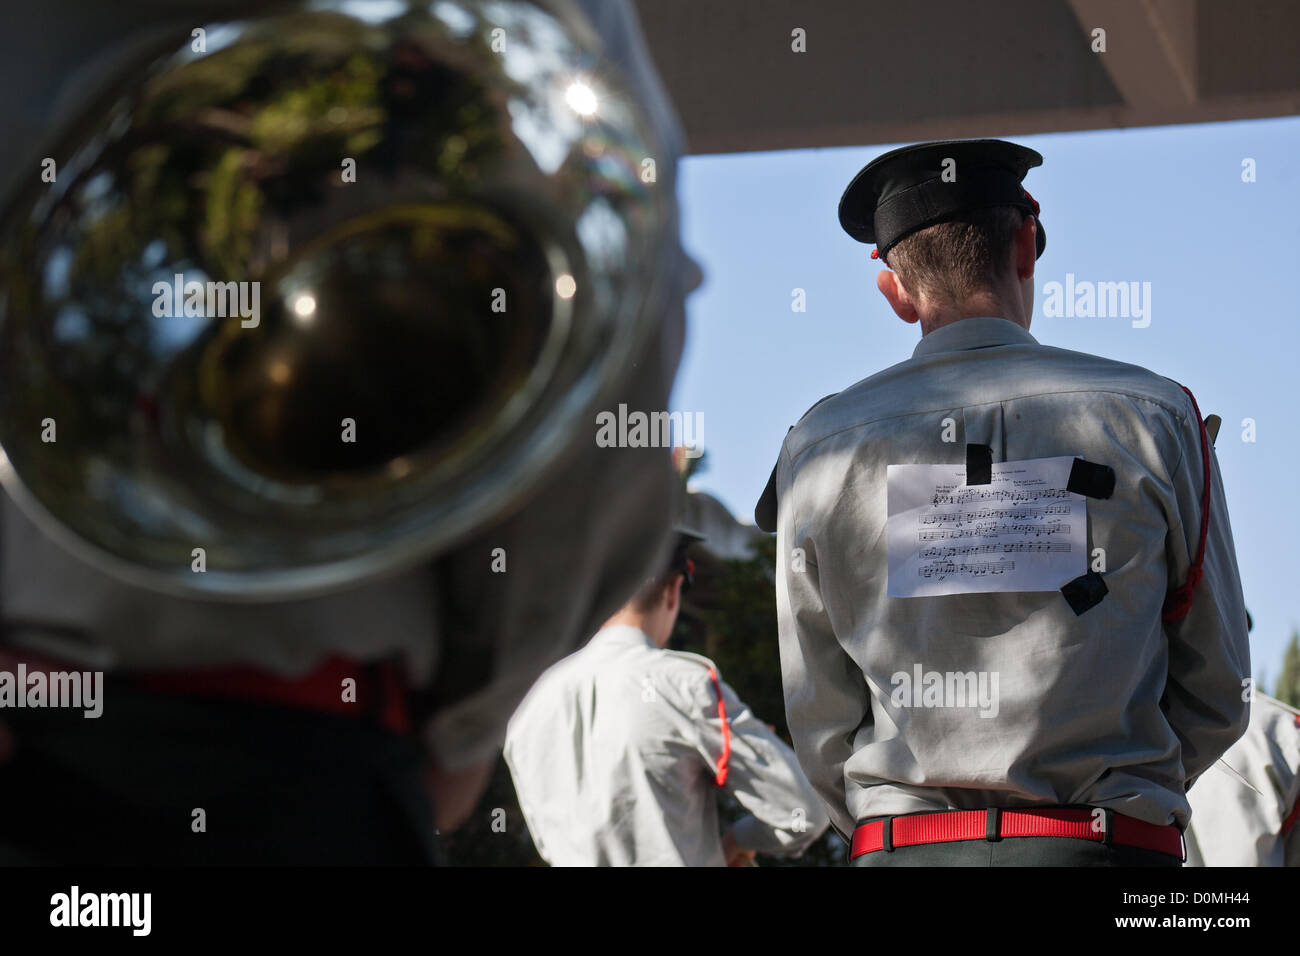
721,776
1179,601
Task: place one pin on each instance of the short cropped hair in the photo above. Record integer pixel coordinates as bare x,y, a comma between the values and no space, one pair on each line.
951,261
651,592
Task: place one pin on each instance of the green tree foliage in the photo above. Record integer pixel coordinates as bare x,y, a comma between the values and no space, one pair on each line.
1287,688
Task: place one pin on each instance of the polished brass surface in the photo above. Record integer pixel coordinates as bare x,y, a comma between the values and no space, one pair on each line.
327,294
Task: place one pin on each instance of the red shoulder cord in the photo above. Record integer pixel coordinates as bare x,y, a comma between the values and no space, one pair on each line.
1289,822
1179,601
721,777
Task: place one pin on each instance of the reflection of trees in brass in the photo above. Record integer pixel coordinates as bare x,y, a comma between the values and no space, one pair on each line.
258,131
232,214
227,168
221,155
402,342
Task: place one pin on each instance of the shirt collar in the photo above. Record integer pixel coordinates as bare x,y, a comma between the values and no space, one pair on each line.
974,333
622,634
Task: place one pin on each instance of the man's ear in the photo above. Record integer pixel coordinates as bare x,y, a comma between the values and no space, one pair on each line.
891,287
1026,248
673,593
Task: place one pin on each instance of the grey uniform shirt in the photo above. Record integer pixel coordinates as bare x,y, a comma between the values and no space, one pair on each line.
1244,807
1111,708
614,754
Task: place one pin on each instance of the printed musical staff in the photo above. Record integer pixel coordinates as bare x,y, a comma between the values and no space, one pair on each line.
1023,531
975,569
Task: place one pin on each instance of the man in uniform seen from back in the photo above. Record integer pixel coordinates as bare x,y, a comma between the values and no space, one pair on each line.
619,751
1012,628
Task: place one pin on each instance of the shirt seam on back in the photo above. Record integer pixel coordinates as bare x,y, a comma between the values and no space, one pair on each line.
1180,415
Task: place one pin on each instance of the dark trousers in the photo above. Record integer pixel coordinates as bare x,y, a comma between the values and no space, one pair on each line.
1017,851
275,784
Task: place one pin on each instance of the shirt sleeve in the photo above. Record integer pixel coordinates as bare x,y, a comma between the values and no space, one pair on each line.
763,774
1206,699
826,698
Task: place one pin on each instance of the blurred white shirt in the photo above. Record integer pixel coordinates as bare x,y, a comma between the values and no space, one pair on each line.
1244,806
614,754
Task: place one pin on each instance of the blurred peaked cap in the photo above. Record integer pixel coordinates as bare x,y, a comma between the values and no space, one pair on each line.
903,191
680,559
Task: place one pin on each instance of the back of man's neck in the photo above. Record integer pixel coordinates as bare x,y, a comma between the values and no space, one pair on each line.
980,307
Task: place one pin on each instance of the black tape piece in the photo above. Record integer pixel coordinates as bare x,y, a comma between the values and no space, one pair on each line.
979,464
991,819
1090,479
1085,592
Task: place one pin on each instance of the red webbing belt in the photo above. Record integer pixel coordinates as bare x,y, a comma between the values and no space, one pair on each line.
1179,601
957,825
721,776
379,688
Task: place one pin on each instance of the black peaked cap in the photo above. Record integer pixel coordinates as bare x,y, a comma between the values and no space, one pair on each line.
904,191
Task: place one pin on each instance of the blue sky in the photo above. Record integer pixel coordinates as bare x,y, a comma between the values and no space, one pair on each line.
1165,205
